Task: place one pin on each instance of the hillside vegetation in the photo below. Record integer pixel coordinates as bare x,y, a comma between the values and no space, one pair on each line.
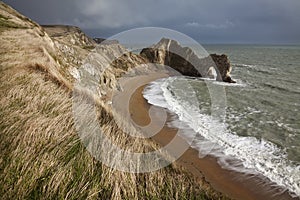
41,155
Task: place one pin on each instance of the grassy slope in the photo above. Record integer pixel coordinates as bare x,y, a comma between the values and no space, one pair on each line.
41,156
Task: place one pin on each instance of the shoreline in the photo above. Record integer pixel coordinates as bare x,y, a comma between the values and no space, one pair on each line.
231,183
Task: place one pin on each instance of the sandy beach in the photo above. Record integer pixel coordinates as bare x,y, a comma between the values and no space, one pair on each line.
233,184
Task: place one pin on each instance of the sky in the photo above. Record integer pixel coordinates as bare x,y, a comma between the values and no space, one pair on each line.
207,21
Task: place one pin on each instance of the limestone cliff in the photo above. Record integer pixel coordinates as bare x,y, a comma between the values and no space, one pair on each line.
183,59
223,67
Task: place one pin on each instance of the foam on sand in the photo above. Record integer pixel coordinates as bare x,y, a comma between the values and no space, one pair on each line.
251,155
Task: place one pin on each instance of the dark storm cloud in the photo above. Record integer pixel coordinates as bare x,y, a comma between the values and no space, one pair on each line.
239,21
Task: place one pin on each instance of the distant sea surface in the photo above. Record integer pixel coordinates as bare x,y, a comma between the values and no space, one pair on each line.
261,131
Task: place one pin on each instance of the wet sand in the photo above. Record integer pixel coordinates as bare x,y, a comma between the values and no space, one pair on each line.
233,184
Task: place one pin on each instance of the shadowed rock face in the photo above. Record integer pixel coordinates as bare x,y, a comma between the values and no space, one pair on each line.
223,66
183,59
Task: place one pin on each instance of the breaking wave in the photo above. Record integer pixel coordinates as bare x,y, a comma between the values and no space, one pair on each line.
251,155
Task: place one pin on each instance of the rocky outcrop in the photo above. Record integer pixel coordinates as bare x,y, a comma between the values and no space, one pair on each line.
223,66
70,34
102,40
184,60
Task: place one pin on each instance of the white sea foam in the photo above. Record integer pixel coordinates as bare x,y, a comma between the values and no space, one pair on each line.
254,155
239,83
245,65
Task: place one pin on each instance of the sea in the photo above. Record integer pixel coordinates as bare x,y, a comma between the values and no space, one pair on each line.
259,131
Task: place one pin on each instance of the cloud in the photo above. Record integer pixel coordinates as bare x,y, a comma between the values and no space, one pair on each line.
108,14
193,24
226,24
116,14
256,20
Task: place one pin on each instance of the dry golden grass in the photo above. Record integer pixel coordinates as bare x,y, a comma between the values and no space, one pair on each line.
41,155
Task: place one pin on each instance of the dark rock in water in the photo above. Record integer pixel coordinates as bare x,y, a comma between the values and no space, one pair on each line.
223,66
184,60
